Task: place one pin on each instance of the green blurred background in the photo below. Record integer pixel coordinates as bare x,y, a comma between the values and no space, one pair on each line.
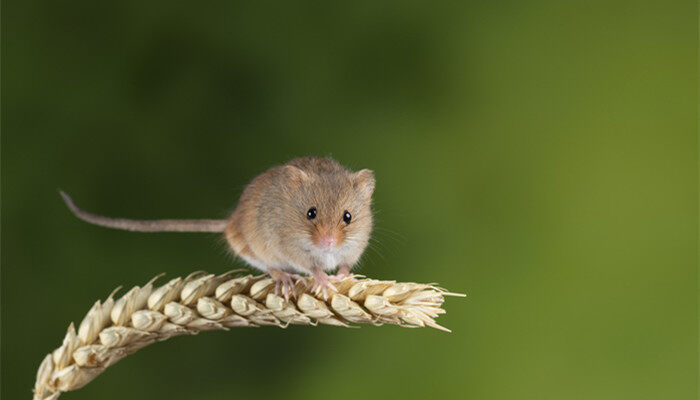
540,156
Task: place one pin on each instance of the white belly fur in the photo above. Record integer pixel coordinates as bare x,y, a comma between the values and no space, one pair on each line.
326,260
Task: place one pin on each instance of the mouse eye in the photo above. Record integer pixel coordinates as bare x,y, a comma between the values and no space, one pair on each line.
346,216
311,214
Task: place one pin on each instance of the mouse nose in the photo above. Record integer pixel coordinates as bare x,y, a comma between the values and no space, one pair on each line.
328,241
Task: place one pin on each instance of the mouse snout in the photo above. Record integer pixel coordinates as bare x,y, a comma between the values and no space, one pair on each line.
326,238
327,241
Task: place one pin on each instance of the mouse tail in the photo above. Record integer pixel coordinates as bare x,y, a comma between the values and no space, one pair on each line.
160,225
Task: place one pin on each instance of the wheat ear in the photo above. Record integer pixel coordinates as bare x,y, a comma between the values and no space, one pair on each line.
112,329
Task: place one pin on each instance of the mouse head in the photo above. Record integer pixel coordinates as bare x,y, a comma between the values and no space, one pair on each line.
332,206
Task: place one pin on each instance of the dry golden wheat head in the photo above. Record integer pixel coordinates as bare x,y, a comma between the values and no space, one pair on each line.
112,329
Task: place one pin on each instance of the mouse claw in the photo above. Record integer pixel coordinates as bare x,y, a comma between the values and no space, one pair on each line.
322,285
285,283
281,290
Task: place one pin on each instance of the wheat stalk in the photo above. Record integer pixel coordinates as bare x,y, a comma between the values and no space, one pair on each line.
115,328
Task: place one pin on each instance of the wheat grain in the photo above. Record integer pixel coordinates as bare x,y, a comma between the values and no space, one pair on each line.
112,329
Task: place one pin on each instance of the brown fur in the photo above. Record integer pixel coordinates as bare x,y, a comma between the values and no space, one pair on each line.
269,227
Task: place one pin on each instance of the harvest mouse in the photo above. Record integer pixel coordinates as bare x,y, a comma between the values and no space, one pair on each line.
307,216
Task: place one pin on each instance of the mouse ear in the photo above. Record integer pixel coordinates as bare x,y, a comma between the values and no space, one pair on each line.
363,182
294,174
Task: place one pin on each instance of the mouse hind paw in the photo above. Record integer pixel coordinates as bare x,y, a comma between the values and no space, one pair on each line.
323,284
285,283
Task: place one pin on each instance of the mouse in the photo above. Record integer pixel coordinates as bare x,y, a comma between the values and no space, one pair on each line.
305,217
